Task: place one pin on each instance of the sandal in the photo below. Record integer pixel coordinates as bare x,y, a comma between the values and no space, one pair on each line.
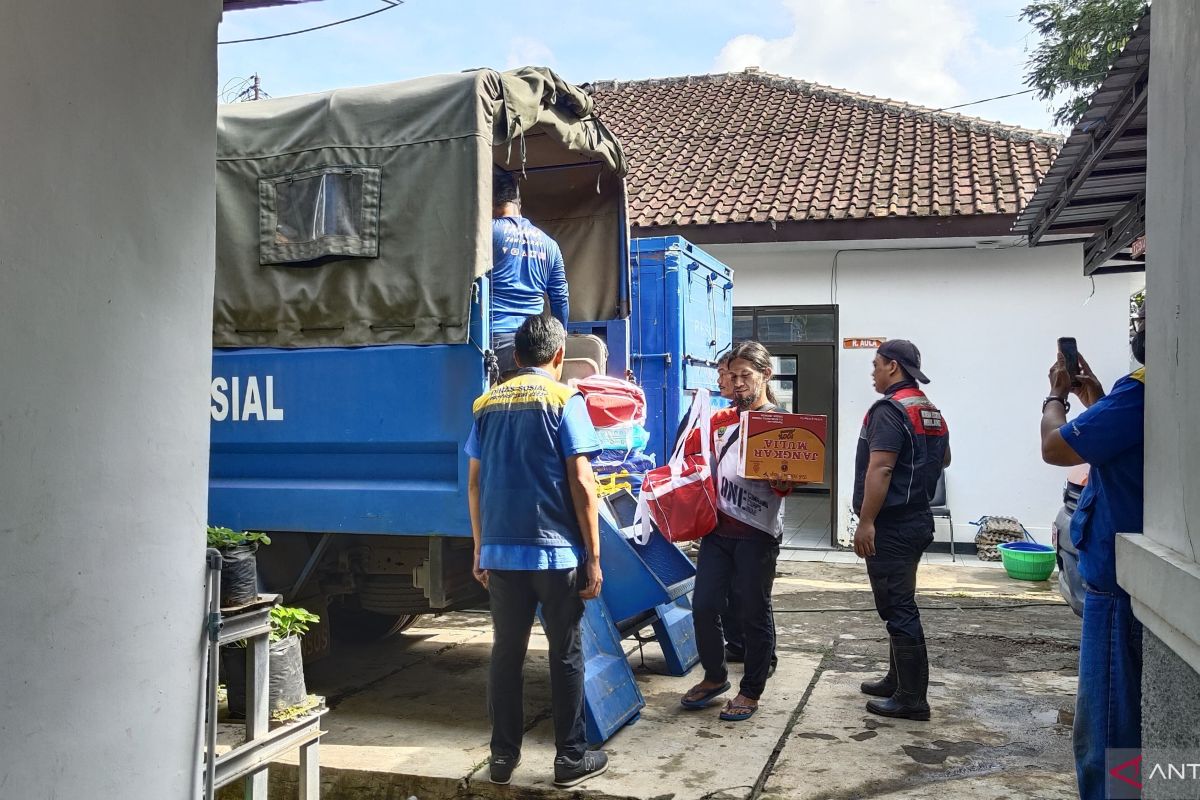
737,713
702,700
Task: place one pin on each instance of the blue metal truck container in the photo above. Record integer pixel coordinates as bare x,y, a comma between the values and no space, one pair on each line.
682,320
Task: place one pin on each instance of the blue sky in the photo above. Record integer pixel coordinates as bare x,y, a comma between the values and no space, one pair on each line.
931,52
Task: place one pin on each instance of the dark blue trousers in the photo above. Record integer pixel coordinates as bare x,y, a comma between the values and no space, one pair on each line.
515,596
748,564
900,540
1108,706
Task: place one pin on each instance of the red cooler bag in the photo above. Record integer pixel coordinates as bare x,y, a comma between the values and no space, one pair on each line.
680,498
612,401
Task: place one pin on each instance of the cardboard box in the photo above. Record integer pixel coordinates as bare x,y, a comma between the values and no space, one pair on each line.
791,445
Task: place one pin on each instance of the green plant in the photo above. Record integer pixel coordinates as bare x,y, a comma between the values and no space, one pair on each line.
222,538
290,621
1080,40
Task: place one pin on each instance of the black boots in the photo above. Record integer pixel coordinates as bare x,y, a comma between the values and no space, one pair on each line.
885,686
912,682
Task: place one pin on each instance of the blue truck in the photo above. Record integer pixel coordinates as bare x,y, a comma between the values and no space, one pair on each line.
351,334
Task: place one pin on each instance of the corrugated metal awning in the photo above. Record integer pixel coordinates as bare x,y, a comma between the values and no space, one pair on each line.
238,5
1096,188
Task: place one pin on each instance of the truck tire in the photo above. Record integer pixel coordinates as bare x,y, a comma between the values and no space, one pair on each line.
354,625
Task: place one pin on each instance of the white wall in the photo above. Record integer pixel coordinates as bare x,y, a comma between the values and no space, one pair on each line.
106,271
986,322
1160,569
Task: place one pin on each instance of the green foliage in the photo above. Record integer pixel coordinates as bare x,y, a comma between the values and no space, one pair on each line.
1080,40
222,538
290,621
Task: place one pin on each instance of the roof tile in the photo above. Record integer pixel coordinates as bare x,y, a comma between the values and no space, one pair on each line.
744,146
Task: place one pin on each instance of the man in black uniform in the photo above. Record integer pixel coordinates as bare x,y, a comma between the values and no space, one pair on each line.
903,447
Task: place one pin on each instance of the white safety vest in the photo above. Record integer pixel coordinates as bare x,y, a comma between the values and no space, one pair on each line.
747,500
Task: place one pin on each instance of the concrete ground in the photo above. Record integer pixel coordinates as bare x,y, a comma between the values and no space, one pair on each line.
409,719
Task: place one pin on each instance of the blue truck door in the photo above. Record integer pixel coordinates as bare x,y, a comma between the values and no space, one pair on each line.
682,320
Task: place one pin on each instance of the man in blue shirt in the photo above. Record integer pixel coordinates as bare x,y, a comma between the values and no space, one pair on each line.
527,265
1109,436
537,540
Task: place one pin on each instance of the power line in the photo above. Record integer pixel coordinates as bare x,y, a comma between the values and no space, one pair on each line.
903,110
389,5
253,91
228,87
985,100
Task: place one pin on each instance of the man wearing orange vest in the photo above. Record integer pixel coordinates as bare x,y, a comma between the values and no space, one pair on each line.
902,450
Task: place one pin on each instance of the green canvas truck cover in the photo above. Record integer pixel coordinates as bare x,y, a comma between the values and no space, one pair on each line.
363,216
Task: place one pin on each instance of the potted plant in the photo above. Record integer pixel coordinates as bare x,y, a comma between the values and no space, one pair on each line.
288,625
239,572
285,665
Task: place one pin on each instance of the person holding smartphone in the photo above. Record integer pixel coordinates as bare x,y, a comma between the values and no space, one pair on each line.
1110,437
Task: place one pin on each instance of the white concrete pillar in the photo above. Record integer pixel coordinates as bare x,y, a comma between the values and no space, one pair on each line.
1160,569
106,271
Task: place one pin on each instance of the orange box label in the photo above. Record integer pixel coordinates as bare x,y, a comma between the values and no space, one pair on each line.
789,445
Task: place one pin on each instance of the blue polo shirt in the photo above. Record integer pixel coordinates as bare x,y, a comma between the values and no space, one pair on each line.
1109,436
524,431
527,265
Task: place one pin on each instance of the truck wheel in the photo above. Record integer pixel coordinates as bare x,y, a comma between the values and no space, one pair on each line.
404,622
358,626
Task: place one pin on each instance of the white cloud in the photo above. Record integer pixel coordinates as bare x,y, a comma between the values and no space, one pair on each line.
526,52
901,49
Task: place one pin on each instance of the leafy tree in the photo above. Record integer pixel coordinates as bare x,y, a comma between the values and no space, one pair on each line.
1080,40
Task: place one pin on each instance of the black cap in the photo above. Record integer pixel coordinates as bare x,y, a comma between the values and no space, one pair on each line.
906,354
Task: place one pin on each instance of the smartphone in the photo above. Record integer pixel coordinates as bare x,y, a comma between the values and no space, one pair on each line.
1070,354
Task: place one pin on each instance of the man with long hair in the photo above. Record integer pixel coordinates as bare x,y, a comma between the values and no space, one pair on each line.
739,556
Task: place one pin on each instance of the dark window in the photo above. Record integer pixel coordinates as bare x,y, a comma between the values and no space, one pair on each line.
785,393
783,365
743,327
805,327
319,213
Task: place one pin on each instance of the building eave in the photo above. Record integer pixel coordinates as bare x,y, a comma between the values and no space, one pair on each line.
878,228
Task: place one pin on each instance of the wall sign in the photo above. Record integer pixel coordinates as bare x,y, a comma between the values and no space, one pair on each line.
868,343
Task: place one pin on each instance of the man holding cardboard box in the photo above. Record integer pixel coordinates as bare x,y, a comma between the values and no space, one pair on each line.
903,447
739,555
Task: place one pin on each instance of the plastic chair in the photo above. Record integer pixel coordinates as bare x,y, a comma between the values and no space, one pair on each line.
579,368
940,508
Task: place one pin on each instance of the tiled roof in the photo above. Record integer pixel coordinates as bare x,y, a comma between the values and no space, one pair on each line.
754,147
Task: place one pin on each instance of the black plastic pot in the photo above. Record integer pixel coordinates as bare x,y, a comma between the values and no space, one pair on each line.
239,575
233,675
285,673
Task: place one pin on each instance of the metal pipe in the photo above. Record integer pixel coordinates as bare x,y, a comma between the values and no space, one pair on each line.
212,633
